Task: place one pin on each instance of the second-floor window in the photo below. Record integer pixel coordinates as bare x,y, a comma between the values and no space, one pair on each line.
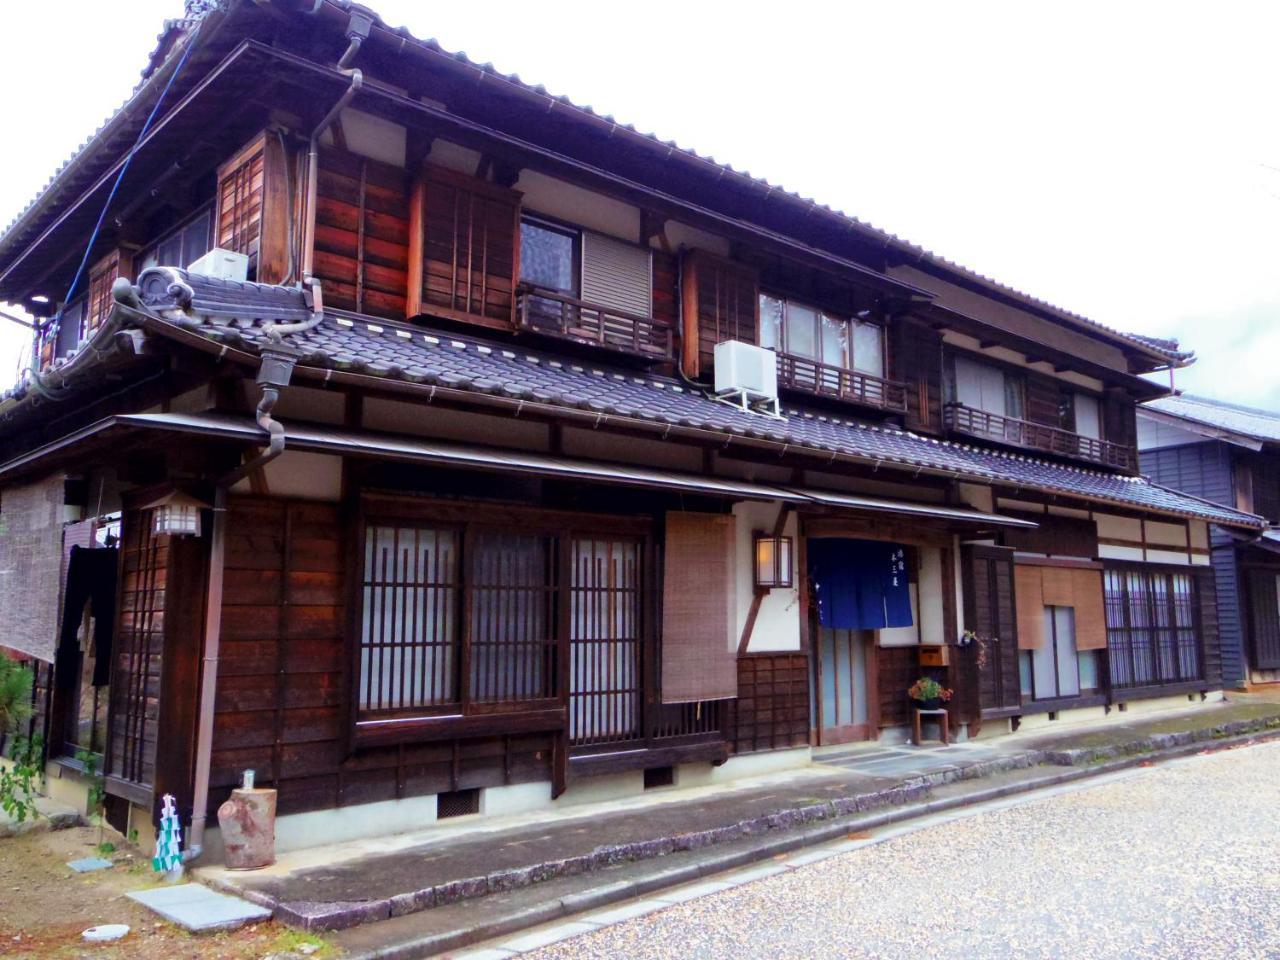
812,334
180,247
549,256
988,388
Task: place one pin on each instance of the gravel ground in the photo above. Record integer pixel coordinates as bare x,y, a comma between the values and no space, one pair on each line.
1180,861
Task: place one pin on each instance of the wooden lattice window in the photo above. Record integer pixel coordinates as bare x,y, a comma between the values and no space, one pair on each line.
464,257
454,616
137,651
254,207
1152,618
101,278
606,640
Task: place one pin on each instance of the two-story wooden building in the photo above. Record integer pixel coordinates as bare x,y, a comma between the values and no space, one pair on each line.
1231,455
417,434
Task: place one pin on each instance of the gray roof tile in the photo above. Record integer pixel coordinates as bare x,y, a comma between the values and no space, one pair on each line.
470,363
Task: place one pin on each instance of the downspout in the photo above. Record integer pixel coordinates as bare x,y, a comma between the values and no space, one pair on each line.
357,30
273,375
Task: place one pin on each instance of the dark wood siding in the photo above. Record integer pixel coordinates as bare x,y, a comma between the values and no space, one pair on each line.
1044,400
1206,593
1264,618
362,234
991,612
1119,418
772,710
252,208
1056,536
722,302
916,360
896,669
282,708
666,289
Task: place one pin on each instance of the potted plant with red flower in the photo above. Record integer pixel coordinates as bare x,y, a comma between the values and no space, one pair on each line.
928,693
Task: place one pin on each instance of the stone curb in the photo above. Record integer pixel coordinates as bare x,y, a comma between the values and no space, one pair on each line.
341,915
524,918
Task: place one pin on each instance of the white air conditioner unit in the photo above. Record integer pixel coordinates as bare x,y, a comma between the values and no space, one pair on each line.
222,264
747,375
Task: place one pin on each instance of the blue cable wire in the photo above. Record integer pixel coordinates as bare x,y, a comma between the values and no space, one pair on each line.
93,237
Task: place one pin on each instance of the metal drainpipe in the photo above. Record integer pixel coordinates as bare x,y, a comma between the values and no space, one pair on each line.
357,30
273,375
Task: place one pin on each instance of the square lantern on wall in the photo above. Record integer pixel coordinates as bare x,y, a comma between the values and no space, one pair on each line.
774,562
177,515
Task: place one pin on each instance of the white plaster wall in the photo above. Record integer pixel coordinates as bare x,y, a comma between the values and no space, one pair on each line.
295,473
371,137
1108,552
1200,534
977,496
1168,556
451,156
777,624
904,636
1153,434
887,489
425,420
591,444
972,344
566,201
310,404
691,238
1119,528
1166,534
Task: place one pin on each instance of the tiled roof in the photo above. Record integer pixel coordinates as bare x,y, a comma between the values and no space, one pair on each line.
234,314
175,29
1250,422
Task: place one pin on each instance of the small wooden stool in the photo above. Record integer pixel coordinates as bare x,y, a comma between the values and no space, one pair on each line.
944,724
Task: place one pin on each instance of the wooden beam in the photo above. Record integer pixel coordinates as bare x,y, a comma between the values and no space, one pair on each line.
417,226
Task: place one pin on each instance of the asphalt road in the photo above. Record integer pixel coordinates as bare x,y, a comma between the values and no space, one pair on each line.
1176,861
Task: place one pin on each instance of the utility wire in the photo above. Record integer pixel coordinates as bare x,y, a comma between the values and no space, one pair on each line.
93,237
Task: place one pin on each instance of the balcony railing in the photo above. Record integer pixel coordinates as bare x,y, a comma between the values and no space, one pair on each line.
1037,436
551,312
798,373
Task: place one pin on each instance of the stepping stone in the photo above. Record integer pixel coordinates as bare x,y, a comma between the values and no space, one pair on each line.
89,864
197,908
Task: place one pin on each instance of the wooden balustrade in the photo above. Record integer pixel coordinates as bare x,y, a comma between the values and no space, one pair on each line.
1037,436
552,312
799,373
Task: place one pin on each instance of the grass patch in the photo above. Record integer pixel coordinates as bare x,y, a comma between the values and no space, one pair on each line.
298,941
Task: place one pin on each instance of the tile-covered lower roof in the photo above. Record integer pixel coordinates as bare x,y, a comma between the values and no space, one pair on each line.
241,314
1263,425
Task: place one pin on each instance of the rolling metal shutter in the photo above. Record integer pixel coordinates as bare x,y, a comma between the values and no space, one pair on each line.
617,274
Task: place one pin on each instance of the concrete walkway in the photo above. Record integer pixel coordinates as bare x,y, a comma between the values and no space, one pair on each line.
481,874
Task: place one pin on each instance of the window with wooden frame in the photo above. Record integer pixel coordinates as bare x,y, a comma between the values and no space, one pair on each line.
464,254
253,207
1152,626
98,302
467,618
181,246
810,333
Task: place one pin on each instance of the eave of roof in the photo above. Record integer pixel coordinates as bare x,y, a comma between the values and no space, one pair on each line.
226,319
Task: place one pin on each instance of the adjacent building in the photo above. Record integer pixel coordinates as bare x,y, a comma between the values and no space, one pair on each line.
432,445
1231,455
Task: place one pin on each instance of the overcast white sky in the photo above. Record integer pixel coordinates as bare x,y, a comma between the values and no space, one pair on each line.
1120,160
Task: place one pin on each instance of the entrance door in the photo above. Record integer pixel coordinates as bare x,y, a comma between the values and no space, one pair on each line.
838,686
991,613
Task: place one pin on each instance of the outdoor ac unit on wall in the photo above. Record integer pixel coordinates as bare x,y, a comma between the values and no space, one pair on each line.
747,375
